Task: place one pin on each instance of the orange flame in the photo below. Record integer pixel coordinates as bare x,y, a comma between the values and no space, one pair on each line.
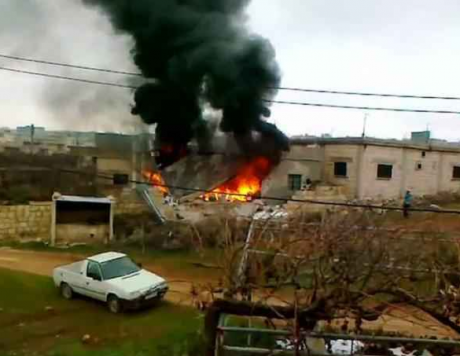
246,185
157,180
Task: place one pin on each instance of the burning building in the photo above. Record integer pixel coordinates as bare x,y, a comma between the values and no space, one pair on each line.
196,54
246,185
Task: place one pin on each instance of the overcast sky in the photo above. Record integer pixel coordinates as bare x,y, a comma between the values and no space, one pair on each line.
393,46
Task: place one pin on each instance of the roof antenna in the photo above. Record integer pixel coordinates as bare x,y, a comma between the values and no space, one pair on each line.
364,125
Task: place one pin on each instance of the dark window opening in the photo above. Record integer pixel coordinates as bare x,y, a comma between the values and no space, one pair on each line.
82,213
418,166
385,171
456,173
340,169
295,182
423,154
120,179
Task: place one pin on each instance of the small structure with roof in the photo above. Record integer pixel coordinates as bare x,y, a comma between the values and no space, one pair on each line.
77,219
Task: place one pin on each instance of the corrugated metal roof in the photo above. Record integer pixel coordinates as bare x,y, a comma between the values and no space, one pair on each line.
76,199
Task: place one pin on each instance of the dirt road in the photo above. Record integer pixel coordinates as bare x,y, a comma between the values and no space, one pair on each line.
400,319
43,263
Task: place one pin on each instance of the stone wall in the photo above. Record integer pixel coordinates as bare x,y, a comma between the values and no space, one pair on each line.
25,222
131,208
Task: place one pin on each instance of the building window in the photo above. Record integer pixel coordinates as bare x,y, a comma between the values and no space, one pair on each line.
423,154
418,166
295,182
340,169
456,173
384,171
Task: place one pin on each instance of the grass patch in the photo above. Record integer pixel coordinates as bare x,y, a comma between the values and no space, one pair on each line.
27,328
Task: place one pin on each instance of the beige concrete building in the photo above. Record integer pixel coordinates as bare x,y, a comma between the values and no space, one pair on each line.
382,169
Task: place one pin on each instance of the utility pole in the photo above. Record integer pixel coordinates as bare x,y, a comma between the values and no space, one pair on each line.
32,135
365,125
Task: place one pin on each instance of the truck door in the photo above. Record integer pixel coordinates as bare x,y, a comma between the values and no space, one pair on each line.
94,287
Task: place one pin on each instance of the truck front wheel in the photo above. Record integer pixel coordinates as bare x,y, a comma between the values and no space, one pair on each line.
114,304
66,291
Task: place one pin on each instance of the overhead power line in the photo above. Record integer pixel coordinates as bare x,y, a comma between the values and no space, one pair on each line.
59,64
318,91
269,101
280,199
54,76
401,96
362,107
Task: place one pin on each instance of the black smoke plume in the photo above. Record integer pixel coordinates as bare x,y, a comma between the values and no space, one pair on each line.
198,51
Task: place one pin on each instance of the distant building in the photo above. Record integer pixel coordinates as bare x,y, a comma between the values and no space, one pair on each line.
40,162
378,168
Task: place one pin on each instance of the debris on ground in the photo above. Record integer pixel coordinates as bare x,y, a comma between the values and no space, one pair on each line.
346,347
86,339
271,213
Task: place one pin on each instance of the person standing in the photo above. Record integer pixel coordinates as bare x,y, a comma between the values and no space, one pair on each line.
407,203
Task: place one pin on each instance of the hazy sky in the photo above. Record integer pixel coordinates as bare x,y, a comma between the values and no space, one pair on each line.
406,47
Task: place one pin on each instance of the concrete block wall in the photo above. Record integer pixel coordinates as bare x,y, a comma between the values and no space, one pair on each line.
129,202
23,222
446,165
276,184
424,180
342,153
373,187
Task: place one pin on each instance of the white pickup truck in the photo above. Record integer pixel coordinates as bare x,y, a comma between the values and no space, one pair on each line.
113,278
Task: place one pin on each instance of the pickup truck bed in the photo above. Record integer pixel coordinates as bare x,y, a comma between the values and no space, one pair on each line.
75,267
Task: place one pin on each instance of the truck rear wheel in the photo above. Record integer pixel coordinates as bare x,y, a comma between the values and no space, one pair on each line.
114,304
66,291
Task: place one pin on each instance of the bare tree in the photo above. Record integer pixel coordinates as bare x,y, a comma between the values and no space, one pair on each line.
349,267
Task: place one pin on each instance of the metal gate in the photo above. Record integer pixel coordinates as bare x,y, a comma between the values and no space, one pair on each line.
313,343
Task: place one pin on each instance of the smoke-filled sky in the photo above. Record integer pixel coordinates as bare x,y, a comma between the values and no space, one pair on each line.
409,47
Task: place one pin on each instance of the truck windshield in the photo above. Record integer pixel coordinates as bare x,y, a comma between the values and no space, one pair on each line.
120,267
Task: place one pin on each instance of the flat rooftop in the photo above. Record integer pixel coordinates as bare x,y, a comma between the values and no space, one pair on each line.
431,145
